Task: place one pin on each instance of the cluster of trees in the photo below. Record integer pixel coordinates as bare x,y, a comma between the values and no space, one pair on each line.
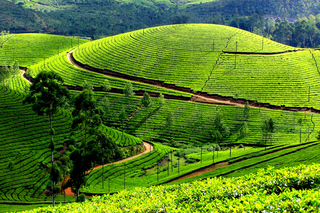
7,72
222,133
304,32
97,19
47,95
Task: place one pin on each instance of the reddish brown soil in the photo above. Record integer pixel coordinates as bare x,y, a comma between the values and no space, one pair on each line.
202,171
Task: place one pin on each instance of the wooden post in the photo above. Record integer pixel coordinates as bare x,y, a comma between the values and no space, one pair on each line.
201,154
124,176
168,166
213,155
158,172
171,163
102,176
178,165
109,185
212,45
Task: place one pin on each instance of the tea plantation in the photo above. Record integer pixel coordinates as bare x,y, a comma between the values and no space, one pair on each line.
205,73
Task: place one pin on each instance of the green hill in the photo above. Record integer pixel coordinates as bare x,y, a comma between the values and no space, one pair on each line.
204,71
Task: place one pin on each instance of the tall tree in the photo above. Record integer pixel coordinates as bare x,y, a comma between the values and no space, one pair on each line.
147,103
161,100
128,93
123,118
106,86
169,122
87,118
267,128
221,131
104,150
246,111
46,96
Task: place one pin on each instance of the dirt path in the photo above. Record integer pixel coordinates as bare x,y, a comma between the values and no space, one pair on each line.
22,74
200,97
147,148
5,41
202,171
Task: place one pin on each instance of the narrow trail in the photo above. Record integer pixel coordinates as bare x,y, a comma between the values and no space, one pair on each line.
216,64
315,61
22,74
226,163
199,97
147,148
202,171
5,41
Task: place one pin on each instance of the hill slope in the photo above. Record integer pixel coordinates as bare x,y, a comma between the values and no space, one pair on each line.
212,59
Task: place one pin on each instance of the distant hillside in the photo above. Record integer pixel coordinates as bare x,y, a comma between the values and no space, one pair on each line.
14,18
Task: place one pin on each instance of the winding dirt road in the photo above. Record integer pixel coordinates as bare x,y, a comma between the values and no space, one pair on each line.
147,148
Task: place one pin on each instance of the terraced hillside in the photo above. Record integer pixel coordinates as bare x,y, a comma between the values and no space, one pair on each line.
29,49
211,59
202,70
24,144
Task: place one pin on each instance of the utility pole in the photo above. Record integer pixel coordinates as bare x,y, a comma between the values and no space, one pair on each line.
213,155
235,61
212,45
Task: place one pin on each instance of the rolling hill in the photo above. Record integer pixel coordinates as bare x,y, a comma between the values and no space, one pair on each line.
204,72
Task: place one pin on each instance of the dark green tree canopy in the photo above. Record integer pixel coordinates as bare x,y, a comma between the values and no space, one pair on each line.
47,93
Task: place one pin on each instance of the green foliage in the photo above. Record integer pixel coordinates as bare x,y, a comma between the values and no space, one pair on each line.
81,198
87,86
128,90
286,189
46,93
106,86
123,118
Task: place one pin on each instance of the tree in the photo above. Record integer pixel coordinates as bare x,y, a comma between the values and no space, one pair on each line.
246,111
147,103
104,150
128,93
4,74
169,122
107,116
87,85
106,86
123,118
161,100
87,118
221,131
46,96
267,128
15,69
